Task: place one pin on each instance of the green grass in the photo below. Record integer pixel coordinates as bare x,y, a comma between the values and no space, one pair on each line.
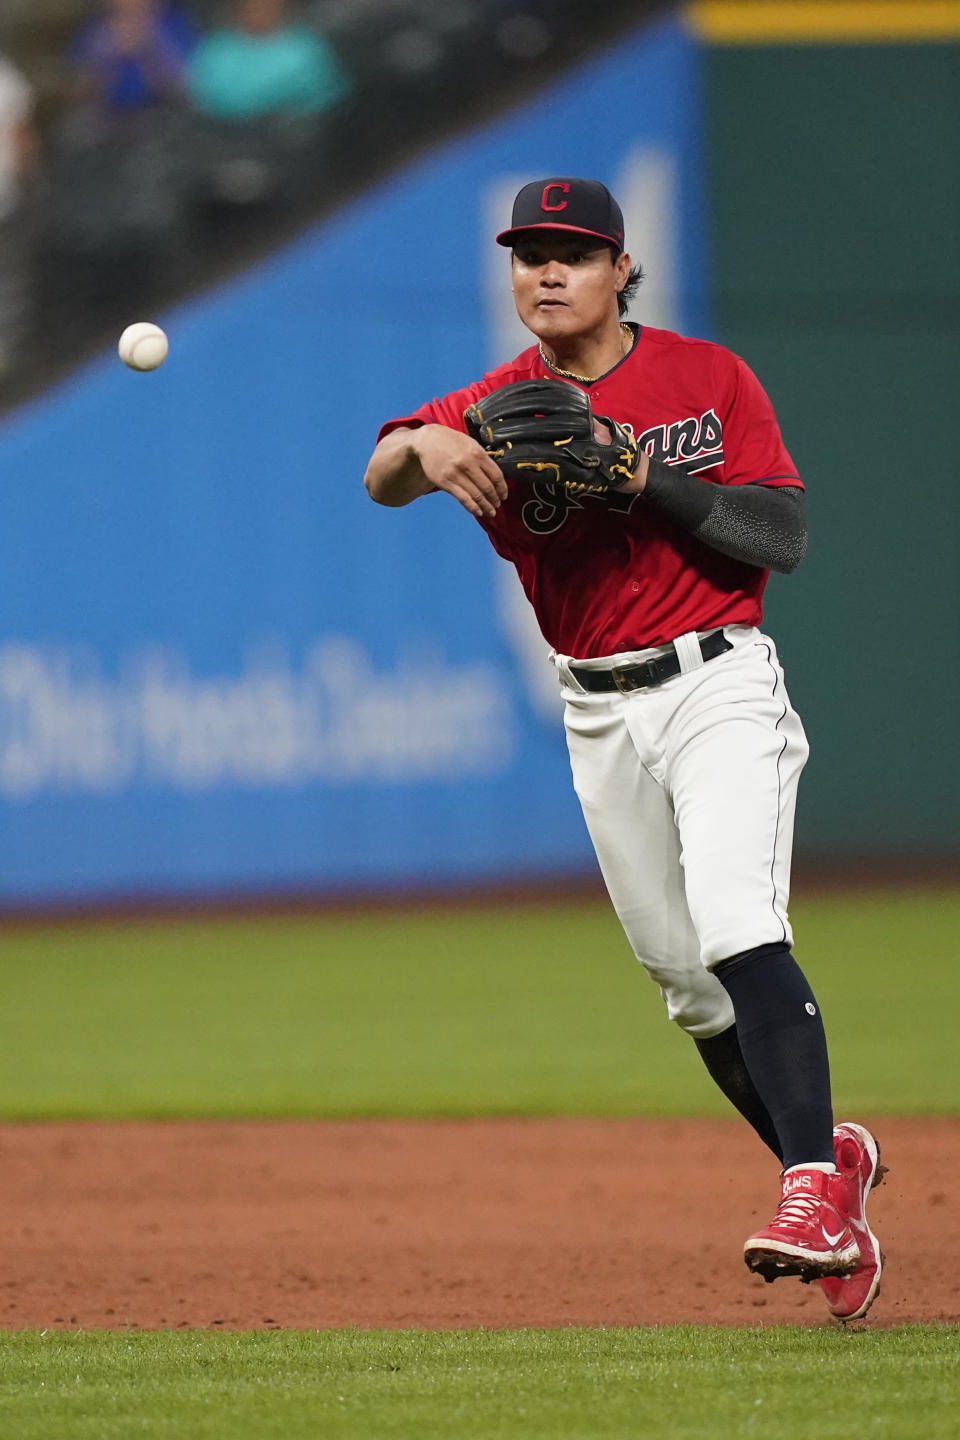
526,1011
680,1383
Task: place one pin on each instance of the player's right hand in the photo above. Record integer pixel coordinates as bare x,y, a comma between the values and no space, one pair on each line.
456,463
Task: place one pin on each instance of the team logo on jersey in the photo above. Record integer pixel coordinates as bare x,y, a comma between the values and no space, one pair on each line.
689,445
551,505
692,445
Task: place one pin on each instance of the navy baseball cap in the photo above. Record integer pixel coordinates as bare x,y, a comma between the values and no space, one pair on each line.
584,207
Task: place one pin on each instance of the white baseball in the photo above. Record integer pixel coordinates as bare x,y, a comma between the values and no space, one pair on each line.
143,346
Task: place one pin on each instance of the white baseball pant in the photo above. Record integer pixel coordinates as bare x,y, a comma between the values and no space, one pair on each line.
689,790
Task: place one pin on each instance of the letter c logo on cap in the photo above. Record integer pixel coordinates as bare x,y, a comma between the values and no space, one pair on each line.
545,202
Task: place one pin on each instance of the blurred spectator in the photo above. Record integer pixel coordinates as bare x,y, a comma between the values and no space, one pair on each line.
115,204
265,63
18,138
130,56
260,87
19,150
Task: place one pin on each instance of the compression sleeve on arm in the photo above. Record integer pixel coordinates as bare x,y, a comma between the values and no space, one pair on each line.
763,525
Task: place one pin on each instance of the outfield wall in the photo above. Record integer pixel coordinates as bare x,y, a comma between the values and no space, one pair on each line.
223,669
834,180
221,666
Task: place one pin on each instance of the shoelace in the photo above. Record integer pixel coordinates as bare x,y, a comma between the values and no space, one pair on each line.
795,1209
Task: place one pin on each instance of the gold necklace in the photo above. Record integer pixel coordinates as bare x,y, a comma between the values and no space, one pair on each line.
585,379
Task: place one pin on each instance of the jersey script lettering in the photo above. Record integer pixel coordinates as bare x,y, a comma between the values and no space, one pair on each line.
692,445
552,503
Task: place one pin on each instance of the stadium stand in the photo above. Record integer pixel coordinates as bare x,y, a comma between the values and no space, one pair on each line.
131,217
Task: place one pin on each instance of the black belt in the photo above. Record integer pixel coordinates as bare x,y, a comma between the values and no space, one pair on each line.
647,673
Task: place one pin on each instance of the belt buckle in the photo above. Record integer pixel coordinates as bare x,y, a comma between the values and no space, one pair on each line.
624,681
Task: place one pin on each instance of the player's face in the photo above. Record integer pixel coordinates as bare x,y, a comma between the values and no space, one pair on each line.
566,285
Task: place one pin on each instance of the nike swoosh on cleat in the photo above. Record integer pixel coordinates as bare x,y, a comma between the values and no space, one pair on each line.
832,1239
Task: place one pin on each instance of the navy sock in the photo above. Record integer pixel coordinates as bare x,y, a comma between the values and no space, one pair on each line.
724,1060
784,1048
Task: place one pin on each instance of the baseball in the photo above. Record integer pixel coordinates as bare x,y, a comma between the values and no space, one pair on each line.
143,346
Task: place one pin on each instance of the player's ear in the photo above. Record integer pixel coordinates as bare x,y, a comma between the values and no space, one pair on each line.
621,267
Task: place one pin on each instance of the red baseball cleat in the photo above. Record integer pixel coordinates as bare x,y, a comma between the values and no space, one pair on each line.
809,1236
858,1162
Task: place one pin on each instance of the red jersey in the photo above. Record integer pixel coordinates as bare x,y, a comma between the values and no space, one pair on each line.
610,573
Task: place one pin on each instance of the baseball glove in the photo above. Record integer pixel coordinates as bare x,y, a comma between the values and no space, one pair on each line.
544,429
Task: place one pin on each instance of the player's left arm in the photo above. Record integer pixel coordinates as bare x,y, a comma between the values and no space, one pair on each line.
763,525
758,514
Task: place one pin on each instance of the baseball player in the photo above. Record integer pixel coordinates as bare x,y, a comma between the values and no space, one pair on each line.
638,481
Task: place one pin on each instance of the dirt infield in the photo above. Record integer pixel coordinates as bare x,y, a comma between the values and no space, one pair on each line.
436,1224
